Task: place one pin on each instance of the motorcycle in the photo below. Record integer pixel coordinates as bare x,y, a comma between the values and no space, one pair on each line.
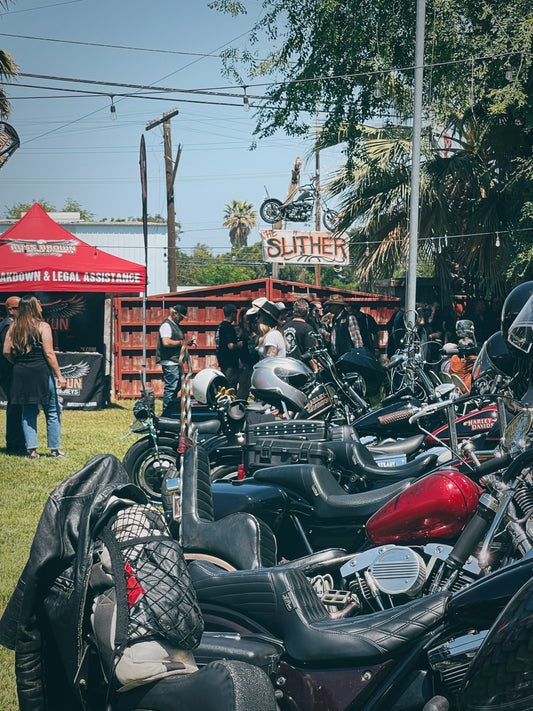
407,658
299,207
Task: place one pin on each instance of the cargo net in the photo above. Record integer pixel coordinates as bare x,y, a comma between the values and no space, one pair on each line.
160,596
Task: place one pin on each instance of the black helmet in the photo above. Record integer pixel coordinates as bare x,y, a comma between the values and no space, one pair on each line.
513,304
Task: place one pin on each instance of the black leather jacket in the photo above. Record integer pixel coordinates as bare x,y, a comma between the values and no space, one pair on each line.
44,619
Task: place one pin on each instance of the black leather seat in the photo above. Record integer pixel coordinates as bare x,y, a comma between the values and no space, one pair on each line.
406,446
358,458
282,602
241,539
330,501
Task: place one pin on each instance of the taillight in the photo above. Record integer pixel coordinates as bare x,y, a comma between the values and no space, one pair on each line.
241,474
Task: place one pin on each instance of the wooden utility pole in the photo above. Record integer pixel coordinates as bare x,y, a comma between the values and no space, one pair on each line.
170,173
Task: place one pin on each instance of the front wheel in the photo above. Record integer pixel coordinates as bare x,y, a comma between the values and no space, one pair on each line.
146,467
330,220
270,210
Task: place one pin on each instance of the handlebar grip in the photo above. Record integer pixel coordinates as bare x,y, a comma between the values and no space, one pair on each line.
493,465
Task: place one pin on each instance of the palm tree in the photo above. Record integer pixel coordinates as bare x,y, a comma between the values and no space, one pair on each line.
8,69
469,190
240,217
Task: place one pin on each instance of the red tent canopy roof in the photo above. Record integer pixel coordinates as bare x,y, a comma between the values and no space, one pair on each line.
37,254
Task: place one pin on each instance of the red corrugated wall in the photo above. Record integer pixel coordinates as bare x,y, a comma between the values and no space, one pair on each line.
204,314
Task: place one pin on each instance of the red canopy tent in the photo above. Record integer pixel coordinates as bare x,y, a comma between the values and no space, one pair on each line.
37,254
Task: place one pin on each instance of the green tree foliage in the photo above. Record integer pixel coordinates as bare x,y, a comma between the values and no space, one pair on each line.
351,64
16,211
240,217
332,55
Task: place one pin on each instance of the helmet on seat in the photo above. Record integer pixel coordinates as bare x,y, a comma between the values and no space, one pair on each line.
206,384
275,379
514,303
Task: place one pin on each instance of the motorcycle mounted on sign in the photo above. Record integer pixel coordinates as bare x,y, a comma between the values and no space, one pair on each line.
299,207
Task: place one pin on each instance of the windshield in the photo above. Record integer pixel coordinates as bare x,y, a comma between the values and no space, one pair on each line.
521,330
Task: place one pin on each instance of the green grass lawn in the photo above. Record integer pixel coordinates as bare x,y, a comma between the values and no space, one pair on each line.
25,485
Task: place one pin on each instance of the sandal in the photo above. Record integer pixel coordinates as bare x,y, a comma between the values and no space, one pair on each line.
33,454
56,453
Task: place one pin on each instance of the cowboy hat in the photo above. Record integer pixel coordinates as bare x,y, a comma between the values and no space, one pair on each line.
271,309
256,303
336,299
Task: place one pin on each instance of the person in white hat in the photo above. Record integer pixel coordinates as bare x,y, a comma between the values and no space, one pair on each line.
271,340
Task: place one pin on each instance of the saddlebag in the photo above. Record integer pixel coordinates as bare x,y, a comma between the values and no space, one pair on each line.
276,452
305,429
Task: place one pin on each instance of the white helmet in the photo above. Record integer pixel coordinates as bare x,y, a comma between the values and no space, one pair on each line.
275,379
206,383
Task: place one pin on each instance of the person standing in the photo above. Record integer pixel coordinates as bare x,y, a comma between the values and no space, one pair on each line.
345,334
248,355
15,442
298,331
29,346
170,341
271,342
368,329
228,346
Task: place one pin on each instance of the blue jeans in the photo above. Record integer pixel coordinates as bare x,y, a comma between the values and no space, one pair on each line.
172,378
53,420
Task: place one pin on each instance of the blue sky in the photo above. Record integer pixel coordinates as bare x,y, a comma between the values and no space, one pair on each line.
70,148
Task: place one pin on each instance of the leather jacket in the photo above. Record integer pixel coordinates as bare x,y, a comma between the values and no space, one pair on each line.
44,619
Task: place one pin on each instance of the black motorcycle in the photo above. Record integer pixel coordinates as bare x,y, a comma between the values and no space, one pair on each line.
299,208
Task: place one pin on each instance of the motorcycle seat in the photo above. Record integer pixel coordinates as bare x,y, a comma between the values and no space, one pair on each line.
357,457
282,602
329,500
168,424
406,446
208,426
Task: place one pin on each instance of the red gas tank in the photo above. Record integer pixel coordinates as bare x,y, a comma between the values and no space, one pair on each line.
434,508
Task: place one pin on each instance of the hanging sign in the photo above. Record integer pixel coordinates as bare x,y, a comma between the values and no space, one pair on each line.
304,247
9,142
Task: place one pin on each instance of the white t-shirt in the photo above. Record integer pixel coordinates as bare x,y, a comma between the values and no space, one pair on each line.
273,338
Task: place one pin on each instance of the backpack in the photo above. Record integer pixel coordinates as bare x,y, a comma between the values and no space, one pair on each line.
145,617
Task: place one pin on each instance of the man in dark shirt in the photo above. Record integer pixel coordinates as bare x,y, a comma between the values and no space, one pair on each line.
368,328
298,331
228,347
15,443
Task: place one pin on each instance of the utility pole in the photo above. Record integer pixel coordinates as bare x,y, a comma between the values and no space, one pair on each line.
317,210
170,173
410,296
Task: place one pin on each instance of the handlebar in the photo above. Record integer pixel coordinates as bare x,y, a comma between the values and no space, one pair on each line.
430,409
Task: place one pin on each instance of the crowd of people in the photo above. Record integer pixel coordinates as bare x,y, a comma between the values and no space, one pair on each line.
276,329
29,372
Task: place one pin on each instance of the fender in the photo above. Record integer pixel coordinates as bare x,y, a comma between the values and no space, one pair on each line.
479,603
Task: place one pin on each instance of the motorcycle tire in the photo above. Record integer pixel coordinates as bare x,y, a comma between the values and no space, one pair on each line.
270,210
147,468
224,472
330,220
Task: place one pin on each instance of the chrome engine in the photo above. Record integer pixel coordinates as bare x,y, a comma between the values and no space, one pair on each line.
390,575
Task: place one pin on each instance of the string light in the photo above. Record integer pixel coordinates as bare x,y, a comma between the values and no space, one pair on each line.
497,239
377,90
245,100
113,109
508,72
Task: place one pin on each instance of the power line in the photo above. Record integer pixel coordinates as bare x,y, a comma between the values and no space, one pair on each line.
111,46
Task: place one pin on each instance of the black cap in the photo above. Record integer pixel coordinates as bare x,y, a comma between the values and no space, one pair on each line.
180,309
